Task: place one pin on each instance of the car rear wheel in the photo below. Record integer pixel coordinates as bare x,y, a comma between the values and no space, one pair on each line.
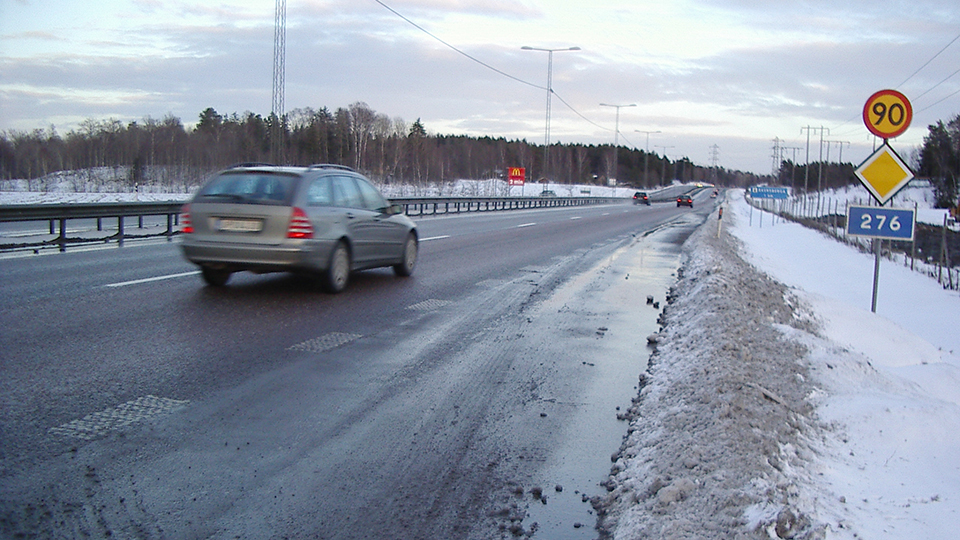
215,277
409,262
337,274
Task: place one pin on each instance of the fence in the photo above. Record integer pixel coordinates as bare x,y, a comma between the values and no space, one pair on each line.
935,250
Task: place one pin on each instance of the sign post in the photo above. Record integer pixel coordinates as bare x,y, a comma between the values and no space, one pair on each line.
517,176
766,192
887,114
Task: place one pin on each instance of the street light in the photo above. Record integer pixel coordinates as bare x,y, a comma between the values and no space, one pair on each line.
616,135
663,172
546,137
646,155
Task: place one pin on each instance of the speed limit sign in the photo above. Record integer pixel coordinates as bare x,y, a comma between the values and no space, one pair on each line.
887,114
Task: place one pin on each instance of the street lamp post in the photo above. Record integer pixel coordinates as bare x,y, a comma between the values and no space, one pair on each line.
663,173
616,136
646,155
546,136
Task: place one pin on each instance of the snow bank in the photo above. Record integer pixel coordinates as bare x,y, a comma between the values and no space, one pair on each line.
778,406
722,435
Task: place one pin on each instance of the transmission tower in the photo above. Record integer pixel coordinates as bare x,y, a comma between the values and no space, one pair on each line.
776,155
279,67
714,162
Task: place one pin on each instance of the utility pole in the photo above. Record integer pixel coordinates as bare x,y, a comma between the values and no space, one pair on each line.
776,157
840,144
279,67
616,137
820,181
806,169
663,173
646,156
793,167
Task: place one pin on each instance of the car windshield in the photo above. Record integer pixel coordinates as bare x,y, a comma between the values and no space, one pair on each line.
265,188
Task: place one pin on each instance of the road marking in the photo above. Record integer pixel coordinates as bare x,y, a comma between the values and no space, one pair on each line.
526,225
576,217
98,424
435,238
429,305
325,342
148,280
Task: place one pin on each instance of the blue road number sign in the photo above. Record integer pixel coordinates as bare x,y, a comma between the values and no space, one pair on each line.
883,223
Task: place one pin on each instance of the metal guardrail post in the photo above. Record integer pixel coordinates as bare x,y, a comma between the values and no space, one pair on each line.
62,240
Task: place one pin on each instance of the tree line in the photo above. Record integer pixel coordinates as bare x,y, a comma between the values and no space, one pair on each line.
940,161
387,149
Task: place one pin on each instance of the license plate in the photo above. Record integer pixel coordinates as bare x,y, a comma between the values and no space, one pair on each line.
240,225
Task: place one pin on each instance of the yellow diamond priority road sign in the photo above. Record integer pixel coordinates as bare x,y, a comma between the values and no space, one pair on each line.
884,174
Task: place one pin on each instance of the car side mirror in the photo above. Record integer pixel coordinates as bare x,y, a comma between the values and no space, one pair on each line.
393,210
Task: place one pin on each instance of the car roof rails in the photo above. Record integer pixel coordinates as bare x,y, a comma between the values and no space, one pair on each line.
331,166
251,164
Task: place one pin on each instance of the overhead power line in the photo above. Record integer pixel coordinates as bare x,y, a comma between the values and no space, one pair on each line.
448,45
488,66
925,64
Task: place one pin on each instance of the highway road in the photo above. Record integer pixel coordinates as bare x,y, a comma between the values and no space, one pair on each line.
137,403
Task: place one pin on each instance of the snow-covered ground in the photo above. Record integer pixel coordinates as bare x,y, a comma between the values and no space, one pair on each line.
778,406
109,184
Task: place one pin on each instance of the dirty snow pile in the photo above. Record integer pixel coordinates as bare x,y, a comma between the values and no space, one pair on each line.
778,406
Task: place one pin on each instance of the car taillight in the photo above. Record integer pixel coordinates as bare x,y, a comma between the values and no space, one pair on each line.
300,226
186,226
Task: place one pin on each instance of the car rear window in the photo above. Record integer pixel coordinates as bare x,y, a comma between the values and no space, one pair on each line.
261,188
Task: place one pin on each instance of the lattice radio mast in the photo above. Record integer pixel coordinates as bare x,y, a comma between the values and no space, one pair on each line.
279,67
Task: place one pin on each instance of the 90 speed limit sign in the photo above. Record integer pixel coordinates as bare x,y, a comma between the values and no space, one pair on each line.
887,114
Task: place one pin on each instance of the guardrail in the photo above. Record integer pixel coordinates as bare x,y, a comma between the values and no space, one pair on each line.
58,214
456,205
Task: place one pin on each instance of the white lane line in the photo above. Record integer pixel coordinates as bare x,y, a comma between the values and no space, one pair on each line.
435,238
149,280
576,217
526,225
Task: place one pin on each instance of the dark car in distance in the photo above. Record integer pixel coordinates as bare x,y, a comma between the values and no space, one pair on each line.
684,200
641,197
324,221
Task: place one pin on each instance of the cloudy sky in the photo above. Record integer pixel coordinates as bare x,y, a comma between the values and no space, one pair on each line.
733,73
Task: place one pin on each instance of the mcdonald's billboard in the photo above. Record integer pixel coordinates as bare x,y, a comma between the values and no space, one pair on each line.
517,176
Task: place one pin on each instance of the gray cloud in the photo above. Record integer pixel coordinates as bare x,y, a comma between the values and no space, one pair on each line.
740,94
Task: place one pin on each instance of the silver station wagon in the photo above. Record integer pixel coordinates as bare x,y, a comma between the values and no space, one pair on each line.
324,220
